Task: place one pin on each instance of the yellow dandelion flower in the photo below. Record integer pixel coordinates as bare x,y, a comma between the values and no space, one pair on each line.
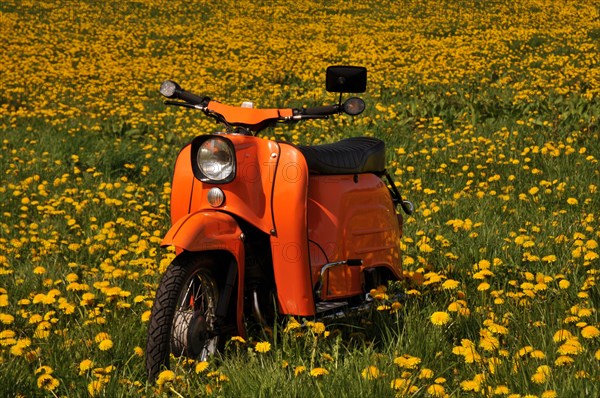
589,256
6,319
470,385
299,370
597,355
450,284
238,339
317,327
101,337
325,356
468,351
564,284
263,346
7,334
537,354
545,369
436,390
318,372
425,374
100,372
85,365
44,369
539,378
584,312
95,387
105,345
582,374
571,347
146,316
402,385
482,274
201,366
292,325
525,350
563,360
455,306
166,376
370,373
39,270
488,342
407,361
590,332
483,286
139,351
572,201
440,318
591,244
47,382
493,364
562,335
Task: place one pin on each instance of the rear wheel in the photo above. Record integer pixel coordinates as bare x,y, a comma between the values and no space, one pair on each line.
183,317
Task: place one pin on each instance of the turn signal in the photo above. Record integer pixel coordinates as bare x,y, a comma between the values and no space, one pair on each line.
216,197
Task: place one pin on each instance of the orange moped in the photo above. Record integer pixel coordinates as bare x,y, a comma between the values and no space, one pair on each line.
264,228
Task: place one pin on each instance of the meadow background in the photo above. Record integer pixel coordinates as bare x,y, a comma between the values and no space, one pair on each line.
490,110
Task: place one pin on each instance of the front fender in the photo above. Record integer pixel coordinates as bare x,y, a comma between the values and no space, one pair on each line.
206,230
211,231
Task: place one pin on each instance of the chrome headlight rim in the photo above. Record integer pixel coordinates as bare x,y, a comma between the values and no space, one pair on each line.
218,167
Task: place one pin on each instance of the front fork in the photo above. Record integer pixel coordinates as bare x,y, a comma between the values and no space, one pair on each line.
225,298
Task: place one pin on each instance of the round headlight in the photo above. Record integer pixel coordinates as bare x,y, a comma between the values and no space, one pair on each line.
216,159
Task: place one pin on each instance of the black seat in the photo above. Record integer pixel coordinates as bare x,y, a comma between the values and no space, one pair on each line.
349,156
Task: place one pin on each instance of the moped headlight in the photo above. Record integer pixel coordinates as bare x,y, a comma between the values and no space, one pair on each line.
215,160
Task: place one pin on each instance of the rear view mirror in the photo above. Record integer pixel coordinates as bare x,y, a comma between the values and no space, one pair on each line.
346,79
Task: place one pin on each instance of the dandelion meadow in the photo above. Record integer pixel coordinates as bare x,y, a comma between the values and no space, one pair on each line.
490,111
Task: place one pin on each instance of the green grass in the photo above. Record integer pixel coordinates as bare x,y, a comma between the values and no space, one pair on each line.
490,113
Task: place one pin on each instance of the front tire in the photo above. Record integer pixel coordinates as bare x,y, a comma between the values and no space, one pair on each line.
183,317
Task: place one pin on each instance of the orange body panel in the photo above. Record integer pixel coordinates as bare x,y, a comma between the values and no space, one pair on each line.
351,217
248,196
182,185
289,244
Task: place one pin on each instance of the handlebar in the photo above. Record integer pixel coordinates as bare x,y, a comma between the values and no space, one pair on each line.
321,110
254,119
170,89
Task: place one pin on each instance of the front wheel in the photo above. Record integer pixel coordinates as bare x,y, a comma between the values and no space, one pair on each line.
183,317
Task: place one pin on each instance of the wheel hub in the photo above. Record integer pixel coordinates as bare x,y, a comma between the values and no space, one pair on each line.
197,335
191,334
